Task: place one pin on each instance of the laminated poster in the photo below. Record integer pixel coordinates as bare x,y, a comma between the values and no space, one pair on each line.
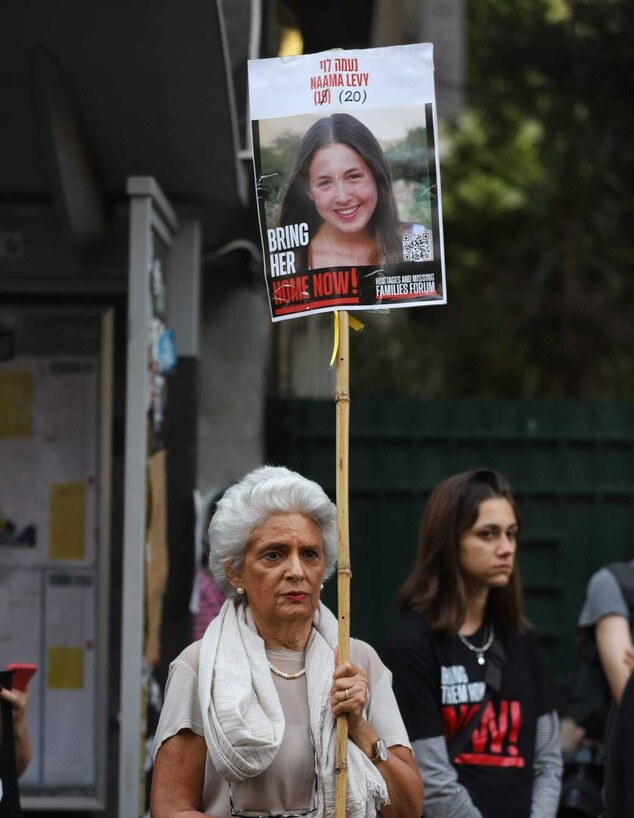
347,179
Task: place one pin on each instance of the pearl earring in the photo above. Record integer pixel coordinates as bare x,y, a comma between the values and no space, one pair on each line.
240,591
322,587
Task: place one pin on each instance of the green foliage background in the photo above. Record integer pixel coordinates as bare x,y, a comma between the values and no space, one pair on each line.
538,202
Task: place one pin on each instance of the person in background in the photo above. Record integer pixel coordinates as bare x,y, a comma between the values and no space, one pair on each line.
606,621
207,597
467,668
210,599
18,700
248,723
602,667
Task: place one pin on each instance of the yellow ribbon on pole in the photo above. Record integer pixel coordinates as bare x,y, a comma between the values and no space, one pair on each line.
353,323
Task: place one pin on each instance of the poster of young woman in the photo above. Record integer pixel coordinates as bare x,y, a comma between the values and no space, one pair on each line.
348,179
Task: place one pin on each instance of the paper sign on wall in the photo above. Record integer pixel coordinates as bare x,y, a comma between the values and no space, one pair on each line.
67,521
16,404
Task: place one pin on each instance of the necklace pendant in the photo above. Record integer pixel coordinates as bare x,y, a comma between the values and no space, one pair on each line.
482,649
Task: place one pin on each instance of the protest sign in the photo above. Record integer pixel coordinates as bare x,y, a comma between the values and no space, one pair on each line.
347,178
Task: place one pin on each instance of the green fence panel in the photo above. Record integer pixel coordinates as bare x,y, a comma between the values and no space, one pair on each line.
571,465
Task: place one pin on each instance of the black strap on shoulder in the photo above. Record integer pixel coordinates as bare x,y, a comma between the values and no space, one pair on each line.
496,658
624,574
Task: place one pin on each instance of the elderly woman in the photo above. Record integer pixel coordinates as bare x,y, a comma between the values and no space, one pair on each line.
248,724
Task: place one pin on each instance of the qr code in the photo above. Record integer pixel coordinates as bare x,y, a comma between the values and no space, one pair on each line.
418,247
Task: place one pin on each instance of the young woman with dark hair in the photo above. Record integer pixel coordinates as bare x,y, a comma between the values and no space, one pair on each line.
468,674
437,584
341,187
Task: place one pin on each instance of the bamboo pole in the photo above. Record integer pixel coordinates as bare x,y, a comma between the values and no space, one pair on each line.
344,571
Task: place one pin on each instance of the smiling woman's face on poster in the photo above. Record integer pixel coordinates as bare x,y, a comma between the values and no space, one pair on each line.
342,188
344,192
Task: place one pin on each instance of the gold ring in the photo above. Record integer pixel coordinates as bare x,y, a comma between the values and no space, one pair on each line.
347,693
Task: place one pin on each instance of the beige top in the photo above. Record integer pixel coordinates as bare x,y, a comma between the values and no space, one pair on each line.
288,783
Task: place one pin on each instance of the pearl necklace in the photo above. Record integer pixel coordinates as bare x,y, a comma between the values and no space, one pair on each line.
289,676
483,647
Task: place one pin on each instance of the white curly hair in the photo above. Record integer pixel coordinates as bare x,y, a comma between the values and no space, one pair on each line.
261,493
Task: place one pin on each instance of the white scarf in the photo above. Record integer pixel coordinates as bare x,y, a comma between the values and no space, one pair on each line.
243,718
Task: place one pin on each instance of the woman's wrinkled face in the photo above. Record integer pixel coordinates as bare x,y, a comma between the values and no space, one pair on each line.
342,188
487,549
283,569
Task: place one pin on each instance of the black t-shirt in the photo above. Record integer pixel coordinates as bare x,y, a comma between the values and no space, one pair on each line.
439,687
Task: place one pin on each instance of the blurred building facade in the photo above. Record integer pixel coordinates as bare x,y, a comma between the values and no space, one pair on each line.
96,96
